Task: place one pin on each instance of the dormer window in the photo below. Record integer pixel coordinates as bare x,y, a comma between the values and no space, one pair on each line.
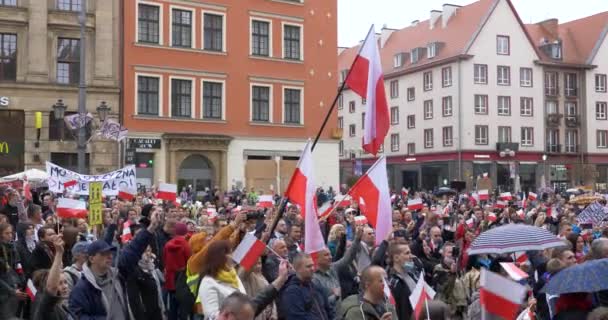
553,49
398,60
431,50
415,55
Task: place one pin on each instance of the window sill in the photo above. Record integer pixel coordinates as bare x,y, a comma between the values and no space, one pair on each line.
270,124
150,117
186,49
276,59
295,3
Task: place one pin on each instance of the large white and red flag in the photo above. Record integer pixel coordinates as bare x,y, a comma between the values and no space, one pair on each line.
532,196
167,191
266,201
248,252
500,296
367,80
484,195
127,192
372,188
70,208
301,191
420,296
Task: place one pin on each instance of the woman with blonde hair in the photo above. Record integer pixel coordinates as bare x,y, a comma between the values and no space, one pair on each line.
336,232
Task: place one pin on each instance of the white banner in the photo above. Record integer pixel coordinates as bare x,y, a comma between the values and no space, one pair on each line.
110,181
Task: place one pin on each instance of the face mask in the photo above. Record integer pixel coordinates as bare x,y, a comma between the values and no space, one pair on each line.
408,266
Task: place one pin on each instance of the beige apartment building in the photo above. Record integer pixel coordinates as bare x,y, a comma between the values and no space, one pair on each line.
39,64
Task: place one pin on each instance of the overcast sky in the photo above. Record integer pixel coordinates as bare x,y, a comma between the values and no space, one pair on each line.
356,16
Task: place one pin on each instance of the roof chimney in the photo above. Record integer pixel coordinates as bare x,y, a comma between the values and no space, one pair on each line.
551,26
415,23
385,35
448,11
435,15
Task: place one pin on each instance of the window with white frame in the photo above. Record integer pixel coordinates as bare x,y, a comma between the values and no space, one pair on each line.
351,130
504,106
502,45
525,77
428,81
480,74
411,121
431,50
394,86
398,60
481,135
68,60
64,5
341,148
600,83
394,115
446,106
411,148
212,100
351,106
394,142
9,3
553,140
293,105
503,75
504,134
602,138
148,93
448,137
340,122
362,120
551,83
481,104
551,107
428,138
601,110
411,94
340,102
181,98
526,107
527,136
260,101
446,76
415,55
260,38
181,28
291,42
571,108
570,84
571,141
428,109
213,32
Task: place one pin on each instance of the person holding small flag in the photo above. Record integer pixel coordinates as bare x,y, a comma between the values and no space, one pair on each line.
373,302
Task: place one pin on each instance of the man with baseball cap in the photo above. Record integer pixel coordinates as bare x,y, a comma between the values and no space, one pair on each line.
79,258
99,293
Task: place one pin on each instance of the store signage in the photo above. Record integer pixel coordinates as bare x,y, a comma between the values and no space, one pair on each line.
4,101
4,147
130,156
142,143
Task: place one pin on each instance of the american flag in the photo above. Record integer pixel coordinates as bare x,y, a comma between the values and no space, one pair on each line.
594,213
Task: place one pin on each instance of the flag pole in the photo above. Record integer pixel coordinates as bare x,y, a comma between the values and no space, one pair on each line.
426,303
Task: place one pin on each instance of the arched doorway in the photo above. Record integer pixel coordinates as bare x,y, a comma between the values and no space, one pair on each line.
196,171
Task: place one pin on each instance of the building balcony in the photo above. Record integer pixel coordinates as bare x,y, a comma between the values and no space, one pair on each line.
572,121
572,148
554,148
551,91
554,119
337,133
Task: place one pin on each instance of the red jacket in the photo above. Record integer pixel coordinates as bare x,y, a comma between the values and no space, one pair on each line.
175,258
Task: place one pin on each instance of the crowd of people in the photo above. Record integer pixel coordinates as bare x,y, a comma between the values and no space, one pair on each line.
152,259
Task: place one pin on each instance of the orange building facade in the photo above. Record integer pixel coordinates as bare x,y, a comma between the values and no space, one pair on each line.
226,92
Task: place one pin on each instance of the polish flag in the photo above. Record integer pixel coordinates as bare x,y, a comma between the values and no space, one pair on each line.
372,188
506,196
549,211
513,271
19,268
248,252
70,183
30,289
500,296
27,191
325,209
266,201
126,193
70,208
532,196
484,195
420,296
167,191
126,235
521,258
474,199
492,217
342,200
470,223
521,214
361,220
301,191
500,204
387,293
404,193
365,78
415,204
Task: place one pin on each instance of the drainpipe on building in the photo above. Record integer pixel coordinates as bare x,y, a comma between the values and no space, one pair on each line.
82,87
460,120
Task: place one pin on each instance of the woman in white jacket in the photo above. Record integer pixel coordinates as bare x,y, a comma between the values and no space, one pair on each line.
220,278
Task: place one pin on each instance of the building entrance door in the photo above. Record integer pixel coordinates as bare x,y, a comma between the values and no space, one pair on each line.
410,179
195,171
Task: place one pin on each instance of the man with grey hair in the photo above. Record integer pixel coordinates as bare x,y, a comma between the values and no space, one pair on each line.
599,248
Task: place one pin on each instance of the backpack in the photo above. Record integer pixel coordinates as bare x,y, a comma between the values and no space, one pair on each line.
185,298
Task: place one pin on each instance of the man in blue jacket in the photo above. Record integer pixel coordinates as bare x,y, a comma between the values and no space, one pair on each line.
99,294
300,298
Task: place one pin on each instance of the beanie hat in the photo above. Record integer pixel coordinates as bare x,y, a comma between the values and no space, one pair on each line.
181,229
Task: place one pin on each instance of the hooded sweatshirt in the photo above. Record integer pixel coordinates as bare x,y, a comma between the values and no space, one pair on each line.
175,256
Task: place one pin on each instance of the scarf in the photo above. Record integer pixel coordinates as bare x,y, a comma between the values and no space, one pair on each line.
147,265
229,277
30,243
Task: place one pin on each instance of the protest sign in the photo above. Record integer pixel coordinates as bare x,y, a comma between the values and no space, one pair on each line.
95,215
110,181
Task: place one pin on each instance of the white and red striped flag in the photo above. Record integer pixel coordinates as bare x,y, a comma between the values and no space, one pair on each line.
126,192
301,191
521,258
470,222
361,220
506,196
532,196
266,201
248,251
404,193
70,208
342,200
126,235
415,204
30,289
484,195
367,80
474,199
492,217
325,209
372,188
387,293
500,204
513,271
167,191
500,296
420,296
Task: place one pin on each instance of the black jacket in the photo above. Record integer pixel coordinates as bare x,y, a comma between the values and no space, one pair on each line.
303,301
142,295
41,257
401,293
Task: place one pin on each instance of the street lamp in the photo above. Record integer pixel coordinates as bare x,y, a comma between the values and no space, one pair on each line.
59,109
102,111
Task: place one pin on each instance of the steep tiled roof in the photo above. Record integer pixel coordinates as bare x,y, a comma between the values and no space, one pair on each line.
453,38
579,37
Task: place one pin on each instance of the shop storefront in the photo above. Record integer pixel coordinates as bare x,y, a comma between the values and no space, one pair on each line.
12,140
142,153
